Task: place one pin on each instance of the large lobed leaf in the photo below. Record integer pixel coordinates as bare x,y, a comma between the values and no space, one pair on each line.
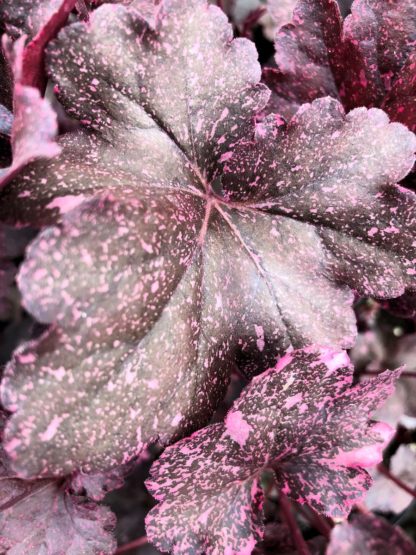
302,420
186,238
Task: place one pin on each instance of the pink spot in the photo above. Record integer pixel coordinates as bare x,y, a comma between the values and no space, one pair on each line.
260,337
283,362
26,358
51,429
293,400
66,203
372,231
334,360
238,429
176,419
226,156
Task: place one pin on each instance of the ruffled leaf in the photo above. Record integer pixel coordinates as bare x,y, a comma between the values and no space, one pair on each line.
187,239
304,421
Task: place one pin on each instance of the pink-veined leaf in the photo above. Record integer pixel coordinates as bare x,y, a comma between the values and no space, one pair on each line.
304,421
369,535
42,516
187,239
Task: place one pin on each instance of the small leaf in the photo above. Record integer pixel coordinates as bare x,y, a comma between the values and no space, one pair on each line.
34,126
39,517
370,535
304,421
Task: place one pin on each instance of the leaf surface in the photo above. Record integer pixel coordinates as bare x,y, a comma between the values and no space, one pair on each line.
187,239
301,419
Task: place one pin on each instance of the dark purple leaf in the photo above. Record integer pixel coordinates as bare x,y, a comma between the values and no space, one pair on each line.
304,421
369,535
368,60
42,517
187,239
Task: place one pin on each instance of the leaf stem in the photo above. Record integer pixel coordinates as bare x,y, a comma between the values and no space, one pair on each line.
135,543
298,539
319,522
386,472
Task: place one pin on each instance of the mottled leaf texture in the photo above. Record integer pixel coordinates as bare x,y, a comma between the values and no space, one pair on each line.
42,518
366,534
34,127
187,240
367,60
301,419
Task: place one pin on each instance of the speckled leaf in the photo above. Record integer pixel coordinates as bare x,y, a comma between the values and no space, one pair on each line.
204,242
42,517
369,535
368,60
33,127
304,421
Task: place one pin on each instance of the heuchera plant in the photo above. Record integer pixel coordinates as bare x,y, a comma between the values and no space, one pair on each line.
201,217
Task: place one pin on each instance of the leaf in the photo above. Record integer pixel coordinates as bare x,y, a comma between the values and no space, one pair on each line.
370,535
39,517
170,261
302,420
367,60
34,126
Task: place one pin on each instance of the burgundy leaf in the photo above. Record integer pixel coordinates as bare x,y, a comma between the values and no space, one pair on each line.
188,240
302,420
367,60
34,127
39,517
369,535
